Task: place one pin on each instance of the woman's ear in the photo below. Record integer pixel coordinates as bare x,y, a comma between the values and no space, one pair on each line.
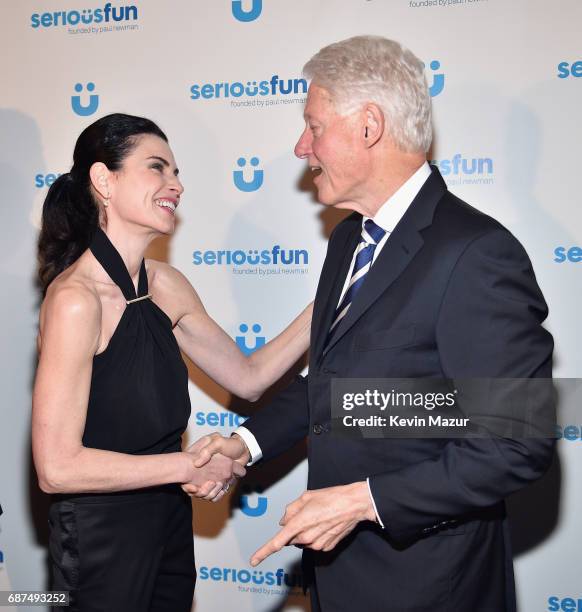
99,174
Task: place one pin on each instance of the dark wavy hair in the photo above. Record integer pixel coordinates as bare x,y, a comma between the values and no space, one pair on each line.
70,213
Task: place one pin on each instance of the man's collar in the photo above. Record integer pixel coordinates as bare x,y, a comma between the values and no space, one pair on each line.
394,208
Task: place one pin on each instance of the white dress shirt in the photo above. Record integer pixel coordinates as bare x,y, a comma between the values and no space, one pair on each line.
387,218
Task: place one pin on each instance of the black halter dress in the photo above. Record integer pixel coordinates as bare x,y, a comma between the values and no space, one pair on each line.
130,550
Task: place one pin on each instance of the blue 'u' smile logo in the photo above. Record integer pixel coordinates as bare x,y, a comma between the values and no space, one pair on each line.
90,108
239,179
242,15
241,341
259,508
438,83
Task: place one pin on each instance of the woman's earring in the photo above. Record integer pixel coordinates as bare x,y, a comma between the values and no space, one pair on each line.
106,201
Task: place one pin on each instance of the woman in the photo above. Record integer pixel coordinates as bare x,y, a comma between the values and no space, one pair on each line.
111,399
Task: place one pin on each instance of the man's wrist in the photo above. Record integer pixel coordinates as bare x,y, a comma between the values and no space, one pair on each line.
377,517
246,453
362,494
251,444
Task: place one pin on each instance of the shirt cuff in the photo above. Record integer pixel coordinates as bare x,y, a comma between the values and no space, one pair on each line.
252,444
373,503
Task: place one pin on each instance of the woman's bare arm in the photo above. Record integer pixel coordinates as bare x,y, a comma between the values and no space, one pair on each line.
214,351
69,337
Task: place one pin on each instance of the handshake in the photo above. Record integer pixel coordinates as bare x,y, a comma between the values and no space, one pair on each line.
318,519
216,463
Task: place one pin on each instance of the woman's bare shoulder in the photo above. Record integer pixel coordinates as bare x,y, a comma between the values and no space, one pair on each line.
166,278
71,297
171,289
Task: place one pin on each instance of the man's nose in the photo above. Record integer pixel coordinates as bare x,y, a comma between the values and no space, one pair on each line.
303,146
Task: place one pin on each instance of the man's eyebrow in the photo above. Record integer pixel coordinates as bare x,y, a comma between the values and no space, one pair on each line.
164,161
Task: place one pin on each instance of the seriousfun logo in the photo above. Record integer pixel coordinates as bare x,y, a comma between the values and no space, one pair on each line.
227,419
241,341
255,581
251,92
264,262
239,179
84,110
572,254
459,170
568,604
239,13
45,180
570,433
107,14
253,505
438,79
565,69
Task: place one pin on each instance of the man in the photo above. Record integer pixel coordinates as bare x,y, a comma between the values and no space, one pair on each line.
415,284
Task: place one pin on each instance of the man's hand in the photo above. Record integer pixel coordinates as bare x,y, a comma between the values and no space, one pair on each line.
233,447
211,478
319,519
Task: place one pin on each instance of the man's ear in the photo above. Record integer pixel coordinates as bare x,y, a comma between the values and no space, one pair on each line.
374,124
100,174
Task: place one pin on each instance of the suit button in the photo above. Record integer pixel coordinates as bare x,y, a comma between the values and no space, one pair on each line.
317,429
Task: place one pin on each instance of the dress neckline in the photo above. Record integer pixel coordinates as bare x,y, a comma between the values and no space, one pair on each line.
112,262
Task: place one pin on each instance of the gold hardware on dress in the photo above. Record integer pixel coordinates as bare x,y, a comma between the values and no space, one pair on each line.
139,299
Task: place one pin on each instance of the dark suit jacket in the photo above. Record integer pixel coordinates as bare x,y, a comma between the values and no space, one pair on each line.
452,294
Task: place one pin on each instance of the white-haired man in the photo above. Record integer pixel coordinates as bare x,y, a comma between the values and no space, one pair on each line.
415,284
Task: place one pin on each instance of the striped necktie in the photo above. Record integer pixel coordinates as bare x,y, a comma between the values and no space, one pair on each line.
371,236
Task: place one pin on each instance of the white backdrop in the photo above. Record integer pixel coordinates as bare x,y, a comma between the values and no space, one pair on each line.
507,93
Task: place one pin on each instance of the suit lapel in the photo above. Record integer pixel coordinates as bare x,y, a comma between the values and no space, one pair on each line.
333,275
401,247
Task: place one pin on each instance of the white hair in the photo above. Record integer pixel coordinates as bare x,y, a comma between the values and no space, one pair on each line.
374,69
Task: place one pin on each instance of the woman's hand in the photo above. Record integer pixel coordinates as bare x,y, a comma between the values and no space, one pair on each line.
212,474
